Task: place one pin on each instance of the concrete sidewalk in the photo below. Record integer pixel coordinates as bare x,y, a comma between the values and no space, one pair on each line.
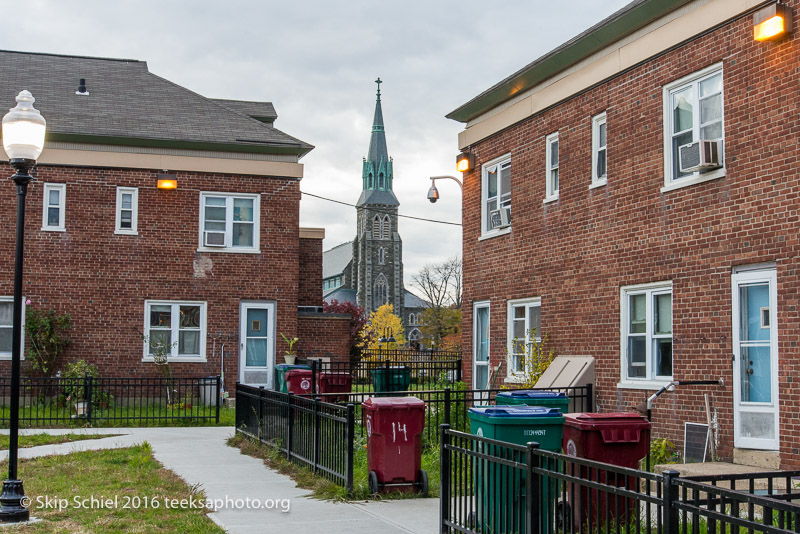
200,456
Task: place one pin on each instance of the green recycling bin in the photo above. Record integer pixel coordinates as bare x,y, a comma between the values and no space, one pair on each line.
280,375
500,490
392,379
532,397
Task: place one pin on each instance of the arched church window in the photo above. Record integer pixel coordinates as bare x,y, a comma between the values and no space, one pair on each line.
387,227
381,181
381,256
381,292
411,319
414,335
376,228
371,181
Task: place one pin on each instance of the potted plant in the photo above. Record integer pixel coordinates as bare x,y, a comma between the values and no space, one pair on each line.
290,356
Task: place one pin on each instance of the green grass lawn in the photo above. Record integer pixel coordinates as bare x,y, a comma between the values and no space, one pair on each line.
34,440
323,488
128,475
50,415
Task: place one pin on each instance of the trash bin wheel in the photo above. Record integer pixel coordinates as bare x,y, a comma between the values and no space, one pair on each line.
563,517
373,483
422,482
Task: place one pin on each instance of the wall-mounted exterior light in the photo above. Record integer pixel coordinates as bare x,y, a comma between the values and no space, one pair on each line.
773,22
168,181
465,162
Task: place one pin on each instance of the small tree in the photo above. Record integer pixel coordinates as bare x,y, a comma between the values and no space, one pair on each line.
359,337
47,332
440,324
536,358
379,321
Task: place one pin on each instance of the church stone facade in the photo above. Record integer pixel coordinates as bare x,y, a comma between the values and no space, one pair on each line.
369,270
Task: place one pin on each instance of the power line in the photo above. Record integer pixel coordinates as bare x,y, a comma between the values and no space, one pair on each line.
380,210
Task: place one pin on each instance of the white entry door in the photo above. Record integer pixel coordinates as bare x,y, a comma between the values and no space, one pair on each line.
480,349
755,359
256,343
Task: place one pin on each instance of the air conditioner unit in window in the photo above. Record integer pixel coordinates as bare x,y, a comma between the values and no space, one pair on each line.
500,218
213,239
700,156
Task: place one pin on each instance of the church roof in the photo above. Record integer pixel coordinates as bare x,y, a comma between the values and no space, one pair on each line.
413,301
341,294
377,196
335,260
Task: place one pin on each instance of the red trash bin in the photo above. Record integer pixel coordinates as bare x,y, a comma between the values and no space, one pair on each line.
335,383
298,381
394,443
614,438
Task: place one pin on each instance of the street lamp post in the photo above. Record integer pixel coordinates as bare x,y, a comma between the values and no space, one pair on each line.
433,192
23,140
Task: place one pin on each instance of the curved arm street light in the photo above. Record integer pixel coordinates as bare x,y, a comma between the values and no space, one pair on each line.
433,192
23,140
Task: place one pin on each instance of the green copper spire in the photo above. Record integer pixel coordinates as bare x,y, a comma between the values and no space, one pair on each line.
377,172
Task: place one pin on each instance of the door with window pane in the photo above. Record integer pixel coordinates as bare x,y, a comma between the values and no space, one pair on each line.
480,333
257,343
755,354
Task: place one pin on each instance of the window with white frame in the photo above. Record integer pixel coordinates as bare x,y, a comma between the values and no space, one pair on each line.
127,219
551,180
7,326
599,150
647,332
693,110
495,193
524,332
53,209
229,222
177,329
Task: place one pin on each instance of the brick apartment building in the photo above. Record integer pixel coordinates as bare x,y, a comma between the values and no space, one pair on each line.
216,268
613,252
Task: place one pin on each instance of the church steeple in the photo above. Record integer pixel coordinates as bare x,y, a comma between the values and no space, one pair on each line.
377,174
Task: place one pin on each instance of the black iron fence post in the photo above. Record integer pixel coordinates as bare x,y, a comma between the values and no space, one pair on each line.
532,495
589,398
260,411
444,478
459,369
289,426
219,397
314,372
87,396
351,437
447,406
238,415
317,443
671,515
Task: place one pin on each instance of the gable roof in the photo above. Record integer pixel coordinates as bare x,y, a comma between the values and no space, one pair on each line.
410,300
260,111
335,260
128,105
627,20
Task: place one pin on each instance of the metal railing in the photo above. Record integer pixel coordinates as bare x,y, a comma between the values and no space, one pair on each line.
492,486
316,434
105,401
451,406
424,373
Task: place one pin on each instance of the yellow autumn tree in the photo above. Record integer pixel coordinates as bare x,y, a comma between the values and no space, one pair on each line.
379,321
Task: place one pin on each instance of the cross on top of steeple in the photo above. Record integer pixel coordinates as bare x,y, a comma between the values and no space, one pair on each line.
379,82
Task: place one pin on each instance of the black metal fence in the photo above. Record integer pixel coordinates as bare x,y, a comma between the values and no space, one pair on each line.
310,432
59,401
451,405
492,486
423,372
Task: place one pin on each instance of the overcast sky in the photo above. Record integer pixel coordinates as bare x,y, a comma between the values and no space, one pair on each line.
317,60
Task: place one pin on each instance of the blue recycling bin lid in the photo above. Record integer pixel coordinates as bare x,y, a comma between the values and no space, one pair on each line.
515,411
532,394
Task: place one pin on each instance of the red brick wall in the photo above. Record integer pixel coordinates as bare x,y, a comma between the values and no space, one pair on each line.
577,252
102,280
325,335
310,293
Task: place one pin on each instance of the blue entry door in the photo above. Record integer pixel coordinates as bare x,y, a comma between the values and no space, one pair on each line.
755,347
257,343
